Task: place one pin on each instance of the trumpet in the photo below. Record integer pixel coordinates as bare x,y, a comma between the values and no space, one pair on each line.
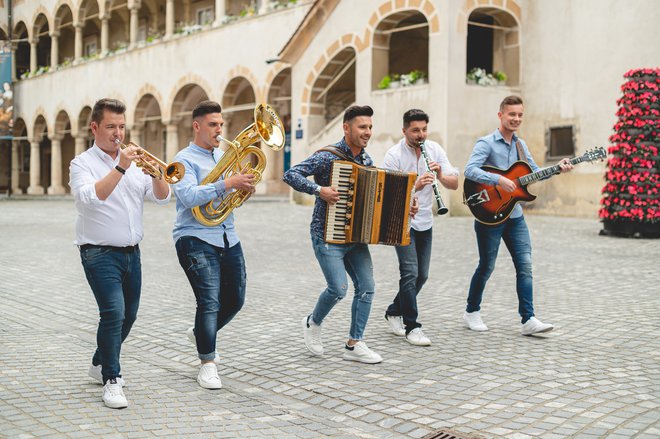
172,173
442,209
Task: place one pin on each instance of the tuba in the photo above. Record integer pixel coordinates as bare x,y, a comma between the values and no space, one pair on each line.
268,129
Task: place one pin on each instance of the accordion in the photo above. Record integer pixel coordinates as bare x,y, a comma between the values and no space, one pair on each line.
373,207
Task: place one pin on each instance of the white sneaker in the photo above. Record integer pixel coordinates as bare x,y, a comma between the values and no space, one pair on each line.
312,334
208,376
417,337
474,322
113,395
190,332
361,353
95,373
535,326
396,325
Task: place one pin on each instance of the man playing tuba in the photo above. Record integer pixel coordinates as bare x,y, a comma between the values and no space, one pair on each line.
211,257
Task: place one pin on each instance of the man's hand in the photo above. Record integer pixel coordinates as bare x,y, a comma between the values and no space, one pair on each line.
506,184
565,165
329,195
424,180
127,155
437,169
414,207
241,182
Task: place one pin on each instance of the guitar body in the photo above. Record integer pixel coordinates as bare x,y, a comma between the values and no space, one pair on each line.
492,205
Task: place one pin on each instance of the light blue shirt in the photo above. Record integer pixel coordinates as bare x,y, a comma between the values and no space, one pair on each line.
493,150
199,162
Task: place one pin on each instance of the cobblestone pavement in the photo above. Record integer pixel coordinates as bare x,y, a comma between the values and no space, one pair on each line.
597,375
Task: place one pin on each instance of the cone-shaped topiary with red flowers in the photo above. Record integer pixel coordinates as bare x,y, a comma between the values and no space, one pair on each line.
631,200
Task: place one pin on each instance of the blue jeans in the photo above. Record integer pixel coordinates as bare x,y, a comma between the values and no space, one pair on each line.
515,234
335,260
115,277
414,261
218,279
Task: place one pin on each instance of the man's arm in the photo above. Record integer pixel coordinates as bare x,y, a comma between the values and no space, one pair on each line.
478,158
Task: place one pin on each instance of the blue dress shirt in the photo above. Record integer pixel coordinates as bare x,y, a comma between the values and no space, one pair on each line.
199,162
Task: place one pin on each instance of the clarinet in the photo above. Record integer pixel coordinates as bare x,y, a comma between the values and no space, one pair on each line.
442,209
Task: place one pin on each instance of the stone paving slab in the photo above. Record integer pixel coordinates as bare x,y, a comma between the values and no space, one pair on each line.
596,375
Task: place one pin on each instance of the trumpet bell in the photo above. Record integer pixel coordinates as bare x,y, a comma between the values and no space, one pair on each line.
174,172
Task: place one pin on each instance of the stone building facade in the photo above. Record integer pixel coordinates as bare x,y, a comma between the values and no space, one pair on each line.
312,59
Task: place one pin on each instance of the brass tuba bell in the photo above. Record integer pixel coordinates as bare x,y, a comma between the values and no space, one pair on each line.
267,129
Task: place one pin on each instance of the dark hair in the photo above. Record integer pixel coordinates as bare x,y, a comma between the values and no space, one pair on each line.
112,105
511,100
356,110
206,107
412,115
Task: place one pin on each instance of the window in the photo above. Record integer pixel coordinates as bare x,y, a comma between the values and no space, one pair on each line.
493,45
561,142
205,16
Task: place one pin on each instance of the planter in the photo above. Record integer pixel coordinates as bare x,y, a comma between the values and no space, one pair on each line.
395,84
630,229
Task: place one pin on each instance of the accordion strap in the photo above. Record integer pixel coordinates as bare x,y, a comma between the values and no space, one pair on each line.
336,151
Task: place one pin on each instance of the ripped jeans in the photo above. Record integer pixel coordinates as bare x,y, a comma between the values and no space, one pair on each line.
335,261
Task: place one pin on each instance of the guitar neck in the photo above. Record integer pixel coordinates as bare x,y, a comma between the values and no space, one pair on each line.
546,172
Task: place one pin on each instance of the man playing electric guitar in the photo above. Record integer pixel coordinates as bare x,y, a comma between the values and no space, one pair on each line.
501,149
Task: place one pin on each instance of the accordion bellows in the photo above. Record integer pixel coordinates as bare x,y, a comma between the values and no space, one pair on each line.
373,207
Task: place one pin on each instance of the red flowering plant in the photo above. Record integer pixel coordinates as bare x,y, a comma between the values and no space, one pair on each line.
631,196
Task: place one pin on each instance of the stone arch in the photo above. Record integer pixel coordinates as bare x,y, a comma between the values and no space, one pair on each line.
22,54
59,5
189,79
63,150
192,90
40,10
147,129
245,72
425,7
401,46
84,132
147,89
239,99
64,29
352,41
492,23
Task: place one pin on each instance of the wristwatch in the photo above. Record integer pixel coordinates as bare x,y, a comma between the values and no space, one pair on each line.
317,190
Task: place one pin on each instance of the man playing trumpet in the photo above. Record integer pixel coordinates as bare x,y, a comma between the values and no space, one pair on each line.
414,259
211,257
109,193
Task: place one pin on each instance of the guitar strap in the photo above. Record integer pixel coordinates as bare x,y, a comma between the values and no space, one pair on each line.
521,153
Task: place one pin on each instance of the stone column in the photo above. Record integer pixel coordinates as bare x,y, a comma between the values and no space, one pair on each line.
14,46
263,6
81,143
172,142
35,170
15,167
78,43
54,49
33,55
133,8
169,19
105,35
220,12
56,187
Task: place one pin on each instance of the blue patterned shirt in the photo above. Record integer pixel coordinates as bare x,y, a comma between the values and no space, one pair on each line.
318,165
492,150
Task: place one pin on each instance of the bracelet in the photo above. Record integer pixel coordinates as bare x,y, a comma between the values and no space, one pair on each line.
120,169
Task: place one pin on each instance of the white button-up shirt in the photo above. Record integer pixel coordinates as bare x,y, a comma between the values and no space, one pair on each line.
402,157
117,220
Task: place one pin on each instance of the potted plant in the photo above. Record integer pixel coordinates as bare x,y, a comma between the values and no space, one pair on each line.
385,82
500,76
417,77
396,80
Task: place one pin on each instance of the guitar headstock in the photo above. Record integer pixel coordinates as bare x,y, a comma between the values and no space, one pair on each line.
597,153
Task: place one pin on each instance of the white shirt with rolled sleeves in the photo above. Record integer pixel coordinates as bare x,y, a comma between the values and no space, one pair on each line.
117,220
402,157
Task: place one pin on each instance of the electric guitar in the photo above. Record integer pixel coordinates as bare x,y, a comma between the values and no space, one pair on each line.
492,205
